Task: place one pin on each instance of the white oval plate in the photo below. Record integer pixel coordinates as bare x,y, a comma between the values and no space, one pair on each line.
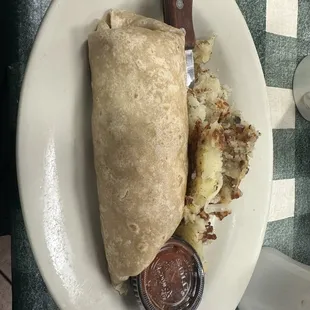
55,162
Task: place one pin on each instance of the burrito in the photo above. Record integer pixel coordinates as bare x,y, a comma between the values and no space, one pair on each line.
140,136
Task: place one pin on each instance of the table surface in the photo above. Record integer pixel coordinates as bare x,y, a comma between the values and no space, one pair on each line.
281,32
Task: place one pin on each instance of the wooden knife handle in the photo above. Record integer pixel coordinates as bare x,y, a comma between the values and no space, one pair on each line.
179,14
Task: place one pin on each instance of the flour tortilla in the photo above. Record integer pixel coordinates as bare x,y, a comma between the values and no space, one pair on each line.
140,136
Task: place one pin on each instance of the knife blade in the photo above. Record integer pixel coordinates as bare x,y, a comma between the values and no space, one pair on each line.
178,13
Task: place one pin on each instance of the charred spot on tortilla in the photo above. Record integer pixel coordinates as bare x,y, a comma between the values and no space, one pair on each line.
142,247
134,227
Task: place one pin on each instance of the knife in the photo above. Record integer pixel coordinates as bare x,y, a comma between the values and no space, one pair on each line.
178,13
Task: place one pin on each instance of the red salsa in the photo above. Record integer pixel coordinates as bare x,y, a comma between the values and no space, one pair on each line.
173,281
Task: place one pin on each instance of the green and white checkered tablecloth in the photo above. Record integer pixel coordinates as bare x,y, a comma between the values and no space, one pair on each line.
281,32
